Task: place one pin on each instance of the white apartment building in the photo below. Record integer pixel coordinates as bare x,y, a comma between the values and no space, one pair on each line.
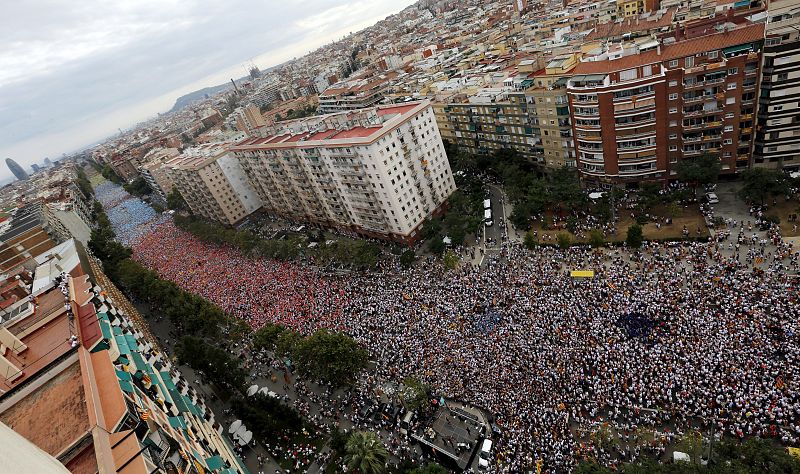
213,183
778,133
378,172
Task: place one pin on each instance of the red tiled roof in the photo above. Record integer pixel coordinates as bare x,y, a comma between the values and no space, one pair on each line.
605,30
746,34
89,325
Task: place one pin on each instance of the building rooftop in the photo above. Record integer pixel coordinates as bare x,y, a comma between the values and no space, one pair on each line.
740,35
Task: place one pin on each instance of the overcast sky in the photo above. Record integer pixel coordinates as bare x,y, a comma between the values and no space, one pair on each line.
73,72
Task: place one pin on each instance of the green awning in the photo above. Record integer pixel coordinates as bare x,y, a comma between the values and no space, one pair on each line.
105,328
122,344
177,422
123,375
132,343
126,386
168,380
192,407
738,49
179,401
139,361
215,462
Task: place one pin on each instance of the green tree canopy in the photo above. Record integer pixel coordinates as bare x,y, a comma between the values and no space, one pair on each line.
699,171
334,358
634,238
759,183
366,454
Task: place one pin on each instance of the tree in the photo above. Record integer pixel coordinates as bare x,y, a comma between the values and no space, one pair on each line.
366,454
698,171
175,200
334,358
596,238
759,183
415,394
692,444
431,468
437,246
267,336
530,241
634,238
450,260
407,258
216,363
138,187
564,240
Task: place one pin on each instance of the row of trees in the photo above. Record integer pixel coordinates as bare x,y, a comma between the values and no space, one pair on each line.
138,187
333,358
365,453
358,253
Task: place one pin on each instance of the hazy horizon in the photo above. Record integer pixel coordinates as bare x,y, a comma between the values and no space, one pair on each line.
74,74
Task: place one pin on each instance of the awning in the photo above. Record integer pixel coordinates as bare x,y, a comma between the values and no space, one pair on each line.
177,422
168,381
738,49
126,386
215,462
741,3
180,403
561,82
192,407
139,361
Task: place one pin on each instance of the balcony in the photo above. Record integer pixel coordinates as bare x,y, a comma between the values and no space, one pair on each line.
635,97
747,130
642,123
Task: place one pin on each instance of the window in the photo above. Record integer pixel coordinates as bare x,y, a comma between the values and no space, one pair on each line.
712,55
777,108
628,75
647,71
729,115
673,83
733,71
673,123
673,97
728,128
673,136
673,148
673,110
730,100
673,63
727,141
689,61
783,76
731,86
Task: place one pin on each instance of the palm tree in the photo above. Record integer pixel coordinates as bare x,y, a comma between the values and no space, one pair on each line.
366,454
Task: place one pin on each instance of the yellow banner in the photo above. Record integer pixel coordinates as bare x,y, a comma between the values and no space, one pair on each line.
582,273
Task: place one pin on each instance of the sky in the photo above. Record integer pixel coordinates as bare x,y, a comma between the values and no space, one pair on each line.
72,73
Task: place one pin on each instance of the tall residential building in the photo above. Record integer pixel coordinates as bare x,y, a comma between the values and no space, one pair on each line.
248,119
81,383
778,130
155,170
637,113
532,119
213,183
31,230
16,169
377,172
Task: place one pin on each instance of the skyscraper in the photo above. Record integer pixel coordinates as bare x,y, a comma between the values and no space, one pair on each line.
16,169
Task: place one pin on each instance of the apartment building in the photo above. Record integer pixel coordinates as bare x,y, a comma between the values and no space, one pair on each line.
491,120
248,119
154,170
213,183
637,113
377,172
531,117
778,130
353,94
81,383
32,229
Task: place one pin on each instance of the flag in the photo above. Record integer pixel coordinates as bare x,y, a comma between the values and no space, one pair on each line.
441,401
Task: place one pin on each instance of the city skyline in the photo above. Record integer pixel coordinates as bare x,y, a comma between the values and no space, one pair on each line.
64,88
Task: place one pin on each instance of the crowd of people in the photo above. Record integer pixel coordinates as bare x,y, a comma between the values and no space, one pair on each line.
663,340
130,217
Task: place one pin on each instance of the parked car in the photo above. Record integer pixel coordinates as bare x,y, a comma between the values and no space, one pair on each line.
712,198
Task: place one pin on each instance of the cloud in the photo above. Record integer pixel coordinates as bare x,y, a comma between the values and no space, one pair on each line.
72,73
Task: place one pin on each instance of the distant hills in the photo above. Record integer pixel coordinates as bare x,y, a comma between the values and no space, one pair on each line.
195,96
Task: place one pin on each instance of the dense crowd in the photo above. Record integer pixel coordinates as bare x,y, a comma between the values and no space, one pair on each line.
131,217
661,341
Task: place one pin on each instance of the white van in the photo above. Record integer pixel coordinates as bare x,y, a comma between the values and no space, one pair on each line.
405,423
487,217
485,454
487,204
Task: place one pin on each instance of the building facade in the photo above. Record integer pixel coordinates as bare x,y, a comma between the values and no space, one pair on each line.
213,183
778,130
377,172
636,114
154,171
